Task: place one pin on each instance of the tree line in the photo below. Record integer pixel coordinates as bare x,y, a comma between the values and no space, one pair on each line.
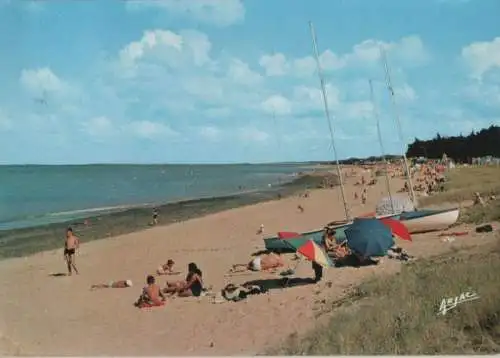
460,148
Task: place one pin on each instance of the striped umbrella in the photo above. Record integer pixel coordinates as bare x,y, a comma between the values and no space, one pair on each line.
311,251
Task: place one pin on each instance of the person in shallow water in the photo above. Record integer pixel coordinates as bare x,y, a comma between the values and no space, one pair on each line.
71,244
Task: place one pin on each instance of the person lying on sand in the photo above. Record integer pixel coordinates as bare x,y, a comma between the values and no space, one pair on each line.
261,263
151,294
71,244
113,284
192,286
167,269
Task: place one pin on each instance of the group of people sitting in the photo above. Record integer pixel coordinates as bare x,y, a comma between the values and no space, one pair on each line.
153,295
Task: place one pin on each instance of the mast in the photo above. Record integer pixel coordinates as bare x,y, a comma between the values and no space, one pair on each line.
379,133
277,139
327,114
398,122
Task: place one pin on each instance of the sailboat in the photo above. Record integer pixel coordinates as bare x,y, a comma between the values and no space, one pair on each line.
417,220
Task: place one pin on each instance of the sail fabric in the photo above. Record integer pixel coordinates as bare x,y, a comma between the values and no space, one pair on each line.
401,202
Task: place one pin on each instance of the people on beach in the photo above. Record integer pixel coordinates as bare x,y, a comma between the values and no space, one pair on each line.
300,208
151,294
113,284
167,268
156,213
261,263
71,244
318,271
191,286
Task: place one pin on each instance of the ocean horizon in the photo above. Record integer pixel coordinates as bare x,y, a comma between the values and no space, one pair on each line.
39,194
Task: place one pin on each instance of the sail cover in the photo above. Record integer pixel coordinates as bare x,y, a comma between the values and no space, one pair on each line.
401,202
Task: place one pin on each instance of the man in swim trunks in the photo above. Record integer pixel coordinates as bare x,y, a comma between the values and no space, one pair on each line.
70,245
113,284
262,263
151,294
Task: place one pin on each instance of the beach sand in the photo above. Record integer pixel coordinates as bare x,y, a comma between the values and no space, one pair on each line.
46,315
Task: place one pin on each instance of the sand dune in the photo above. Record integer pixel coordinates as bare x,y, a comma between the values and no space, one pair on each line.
46,315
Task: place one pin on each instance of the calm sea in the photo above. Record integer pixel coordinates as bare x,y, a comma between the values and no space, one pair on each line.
31,195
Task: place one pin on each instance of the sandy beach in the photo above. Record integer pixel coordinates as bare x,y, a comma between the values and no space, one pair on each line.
47,315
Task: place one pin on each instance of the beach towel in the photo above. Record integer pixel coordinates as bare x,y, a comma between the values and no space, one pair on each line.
149,305
238,293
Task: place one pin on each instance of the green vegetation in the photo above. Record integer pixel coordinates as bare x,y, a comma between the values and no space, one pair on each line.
399,314
462,184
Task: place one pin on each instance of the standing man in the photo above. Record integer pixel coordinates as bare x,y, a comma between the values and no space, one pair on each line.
70,245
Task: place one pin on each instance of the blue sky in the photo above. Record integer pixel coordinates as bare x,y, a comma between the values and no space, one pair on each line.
199,80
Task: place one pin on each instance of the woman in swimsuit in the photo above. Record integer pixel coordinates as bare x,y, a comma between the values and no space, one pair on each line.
192,286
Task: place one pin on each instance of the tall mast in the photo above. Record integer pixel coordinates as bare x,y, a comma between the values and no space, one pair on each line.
327,114
398,122
379,133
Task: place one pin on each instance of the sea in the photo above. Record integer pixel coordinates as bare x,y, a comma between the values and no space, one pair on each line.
33,195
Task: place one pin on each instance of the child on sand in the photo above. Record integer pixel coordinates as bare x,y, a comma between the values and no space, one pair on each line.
167,269
113,284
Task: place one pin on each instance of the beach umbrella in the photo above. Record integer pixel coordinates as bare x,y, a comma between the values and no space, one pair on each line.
369,237
311,251
397,228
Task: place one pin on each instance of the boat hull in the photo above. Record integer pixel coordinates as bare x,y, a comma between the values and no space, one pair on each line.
415,221
429,220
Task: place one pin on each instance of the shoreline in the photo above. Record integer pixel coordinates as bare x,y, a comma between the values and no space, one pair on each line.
20,242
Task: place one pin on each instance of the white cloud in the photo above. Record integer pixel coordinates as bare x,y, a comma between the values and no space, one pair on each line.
277,104
217,12
211,133
482,56
409,50
150,130
99,127
274,65
40,80
5,122
240,72
163,42
406,93
310,98
252,134
103,127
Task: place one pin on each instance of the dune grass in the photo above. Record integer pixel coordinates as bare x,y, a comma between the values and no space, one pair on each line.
399,314
461,185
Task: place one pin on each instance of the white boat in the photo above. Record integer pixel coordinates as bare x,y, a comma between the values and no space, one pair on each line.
429,220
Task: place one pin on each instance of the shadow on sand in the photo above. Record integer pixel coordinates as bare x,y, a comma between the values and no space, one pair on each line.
280,283
59,274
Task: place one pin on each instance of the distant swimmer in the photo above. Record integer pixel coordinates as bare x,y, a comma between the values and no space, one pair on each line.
71,244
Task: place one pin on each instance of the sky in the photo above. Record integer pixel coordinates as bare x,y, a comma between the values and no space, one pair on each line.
224,81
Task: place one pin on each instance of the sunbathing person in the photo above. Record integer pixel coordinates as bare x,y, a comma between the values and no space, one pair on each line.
113,284
261,263
192,286
167,269
151,294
